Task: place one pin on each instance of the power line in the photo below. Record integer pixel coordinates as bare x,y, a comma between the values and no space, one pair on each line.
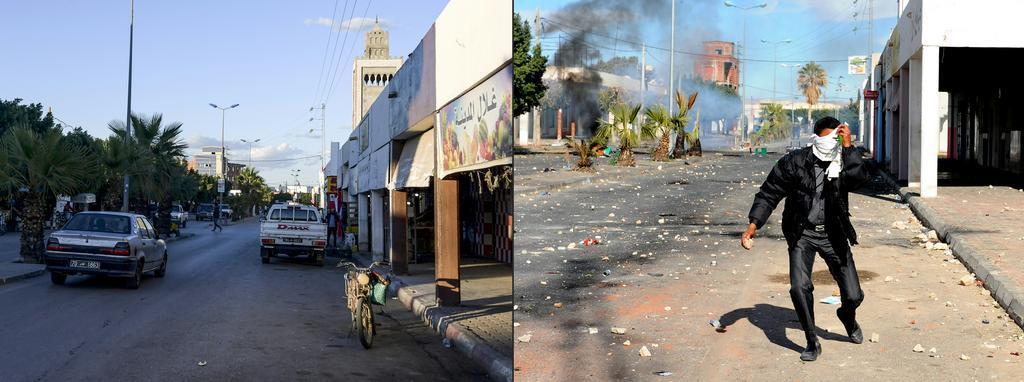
286,159
323,61
334,50
362,23
557,24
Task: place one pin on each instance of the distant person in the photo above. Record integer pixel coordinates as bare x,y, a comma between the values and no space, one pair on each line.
332,228
815,182
216,217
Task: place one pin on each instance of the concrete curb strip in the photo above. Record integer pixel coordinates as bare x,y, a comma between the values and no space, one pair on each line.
1005,291
497,366
22,276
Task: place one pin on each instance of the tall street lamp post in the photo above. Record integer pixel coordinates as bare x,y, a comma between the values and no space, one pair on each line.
223,152
250,149
775,59
744,80
128,119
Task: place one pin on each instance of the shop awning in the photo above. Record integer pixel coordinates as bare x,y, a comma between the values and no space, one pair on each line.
416,165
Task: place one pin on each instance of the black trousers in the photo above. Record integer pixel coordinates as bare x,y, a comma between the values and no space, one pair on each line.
840,264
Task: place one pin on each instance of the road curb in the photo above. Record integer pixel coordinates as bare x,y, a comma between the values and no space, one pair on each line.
22,276
1005,291
498,367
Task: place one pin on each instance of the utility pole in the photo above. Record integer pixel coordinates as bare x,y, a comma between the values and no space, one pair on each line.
128,119
536,109
869,112
672,61
643,73
323,147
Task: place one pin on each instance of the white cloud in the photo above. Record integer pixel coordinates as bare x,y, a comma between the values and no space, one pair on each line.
352,24
323,21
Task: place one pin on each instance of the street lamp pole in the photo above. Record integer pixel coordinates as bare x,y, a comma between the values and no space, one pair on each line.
128,119
250,149
775,59
742,89
223,151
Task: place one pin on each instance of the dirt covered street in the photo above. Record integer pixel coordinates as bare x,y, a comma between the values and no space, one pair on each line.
619,272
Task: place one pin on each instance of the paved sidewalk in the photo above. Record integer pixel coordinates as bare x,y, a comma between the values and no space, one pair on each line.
985,229
482,327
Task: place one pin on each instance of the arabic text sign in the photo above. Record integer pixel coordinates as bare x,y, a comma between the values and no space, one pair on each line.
476,128
857,64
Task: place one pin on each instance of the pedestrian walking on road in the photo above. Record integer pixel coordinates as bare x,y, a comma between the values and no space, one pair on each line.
815,181
332,228
216,217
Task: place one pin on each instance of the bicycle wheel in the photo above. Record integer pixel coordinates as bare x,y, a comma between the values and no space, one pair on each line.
364,323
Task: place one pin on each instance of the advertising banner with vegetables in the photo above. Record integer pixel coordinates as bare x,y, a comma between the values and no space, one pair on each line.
475,130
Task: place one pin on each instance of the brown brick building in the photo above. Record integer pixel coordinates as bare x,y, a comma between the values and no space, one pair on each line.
718,64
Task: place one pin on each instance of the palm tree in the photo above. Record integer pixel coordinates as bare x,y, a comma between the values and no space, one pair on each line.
811,81
584,149
659,120
693,138
682,119
161,152
46,165
623,117
251,184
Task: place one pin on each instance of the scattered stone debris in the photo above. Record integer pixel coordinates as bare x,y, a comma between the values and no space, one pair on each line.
874,337
525,338
626,343
899,225
644,352
964,357
558,305
202,363
967,280
663,373
617,330
592,330
918,348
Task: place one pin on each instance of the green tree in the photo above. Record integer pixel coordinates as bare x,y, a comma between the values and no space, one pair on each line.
14,114
252,186
162,153
528,65
774,124
46,165
663,125
811,81
621,127
682,118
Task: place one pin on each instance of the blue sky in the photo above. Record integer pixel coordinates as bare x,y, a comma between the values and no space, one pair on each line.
821,30
264,55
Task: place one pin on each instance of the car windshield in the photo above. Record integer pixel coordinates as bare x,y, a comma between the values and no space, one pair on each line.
175,208
205,207
100,223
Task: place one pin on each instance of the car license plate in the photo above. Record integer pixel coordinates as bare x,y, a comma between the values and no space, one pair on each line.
293,240
85,264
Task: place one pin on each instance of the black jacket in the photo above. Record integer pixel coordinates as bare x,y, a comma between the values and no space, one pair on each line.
793,178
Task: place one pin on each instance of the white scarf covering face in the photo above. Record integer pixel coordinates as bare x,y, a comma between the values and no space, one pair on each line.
827,149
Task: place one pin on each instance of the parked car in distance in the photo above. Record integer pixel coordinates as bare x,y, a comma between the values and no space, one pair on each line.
179,215
204,211
293,229
115,244
225,212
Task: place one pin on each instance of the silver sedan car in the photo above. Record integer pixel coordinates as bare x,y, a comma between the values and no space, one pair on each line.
114,244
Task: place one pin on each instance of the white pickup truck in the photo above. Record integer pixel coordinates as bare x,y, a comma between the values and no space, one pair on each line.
293,229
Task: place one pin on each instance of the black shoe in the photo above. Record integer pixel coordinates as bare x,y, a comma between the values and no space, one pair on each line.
856,336
852,330
811,353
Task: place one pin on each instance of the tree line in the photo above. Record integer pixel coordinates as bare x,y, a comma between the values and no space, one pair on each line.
41,161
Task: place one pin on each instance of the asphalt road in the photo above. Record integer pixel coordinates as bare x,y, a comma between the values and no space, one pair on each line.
218,305
670,262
